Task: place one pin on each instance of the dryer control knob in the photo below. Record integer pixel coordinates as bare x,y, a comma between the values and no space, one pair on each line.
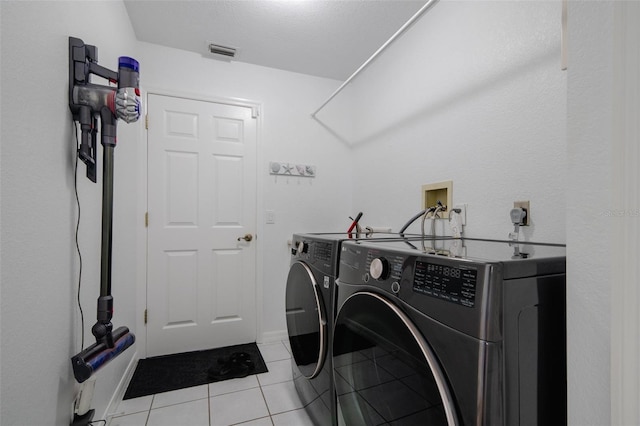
302,247
379,268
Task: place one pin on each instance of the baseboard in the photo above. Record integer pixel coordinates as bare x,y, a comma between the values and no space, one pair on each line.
121,388
274,336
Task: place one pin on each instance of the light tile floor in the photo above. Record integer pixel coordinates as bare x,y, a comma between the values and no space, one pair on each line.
268,399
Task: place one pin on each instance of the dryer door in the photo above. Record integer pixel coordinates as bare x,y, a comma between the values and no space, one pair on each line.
384,370
306,320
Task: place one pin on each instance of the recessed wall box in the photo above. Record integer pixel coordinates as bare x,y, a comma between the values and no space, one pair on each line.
434,192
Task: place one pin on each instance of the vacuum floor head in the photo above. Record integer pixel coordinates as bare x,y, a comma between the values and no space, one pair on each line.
97,355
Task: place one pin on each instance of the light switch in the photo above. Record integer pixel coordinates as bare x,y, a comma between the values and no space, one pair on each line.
270,216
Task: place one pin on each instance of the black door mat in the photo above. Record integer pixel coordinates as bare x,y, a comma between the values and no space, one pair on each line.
178,371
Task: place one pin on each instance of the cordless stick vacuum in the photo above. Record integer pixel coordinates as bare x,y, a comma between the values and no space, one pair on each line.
88,103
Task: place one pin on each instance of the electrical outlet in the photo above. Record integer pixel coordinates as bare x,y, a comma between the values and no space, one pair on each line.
524,205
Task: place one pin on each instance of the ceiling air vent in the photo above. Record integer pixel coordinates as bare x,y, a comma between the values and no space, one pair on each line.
216,49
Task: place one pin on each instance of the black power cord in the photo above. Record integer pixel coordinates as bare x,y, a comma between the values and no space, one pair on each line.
75,185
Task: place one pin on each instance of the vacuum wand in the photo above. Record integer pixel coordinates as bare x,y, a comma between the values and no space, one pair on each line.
88,103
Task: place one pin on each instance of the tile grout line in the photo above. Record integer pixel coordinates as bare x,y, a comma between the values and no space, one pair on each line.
262,392
149,411
209,403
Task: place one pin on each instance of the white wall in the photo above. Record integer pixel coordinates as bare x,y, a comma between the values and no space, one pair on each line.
589,197
287,134
625,294
40,320
473,93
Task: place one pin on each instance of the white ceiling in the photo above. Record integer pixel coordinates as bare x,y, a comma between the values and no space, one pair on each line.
326,38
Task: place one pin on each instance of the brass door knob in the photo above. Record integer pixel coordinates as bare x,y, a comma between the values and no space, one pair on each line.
247,237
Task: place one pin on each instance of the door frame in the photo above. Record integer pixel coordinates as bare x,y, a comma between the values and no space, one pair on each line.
142,208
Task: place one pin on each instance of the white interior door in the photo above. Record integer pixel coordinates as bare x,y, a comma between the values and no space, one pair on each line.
201,284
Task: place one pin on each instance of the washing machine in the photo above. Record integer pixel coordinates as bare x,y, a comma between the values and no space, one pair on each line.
310,300
450,332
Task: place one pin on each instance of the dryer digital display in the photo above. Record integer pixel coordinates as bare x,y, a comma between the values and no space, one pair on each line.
456,285
323,251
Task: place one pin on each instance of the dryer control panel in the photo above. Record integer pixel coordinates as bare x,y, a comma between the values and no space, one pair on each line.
317,252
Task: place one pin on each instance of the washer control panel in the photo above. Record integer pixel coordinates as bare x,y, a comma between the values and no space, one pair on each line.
452,291
401,273
451,283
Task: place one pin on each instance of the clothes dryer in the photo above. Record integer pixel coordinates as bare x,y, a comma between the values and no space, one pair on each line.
450,332
309,314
